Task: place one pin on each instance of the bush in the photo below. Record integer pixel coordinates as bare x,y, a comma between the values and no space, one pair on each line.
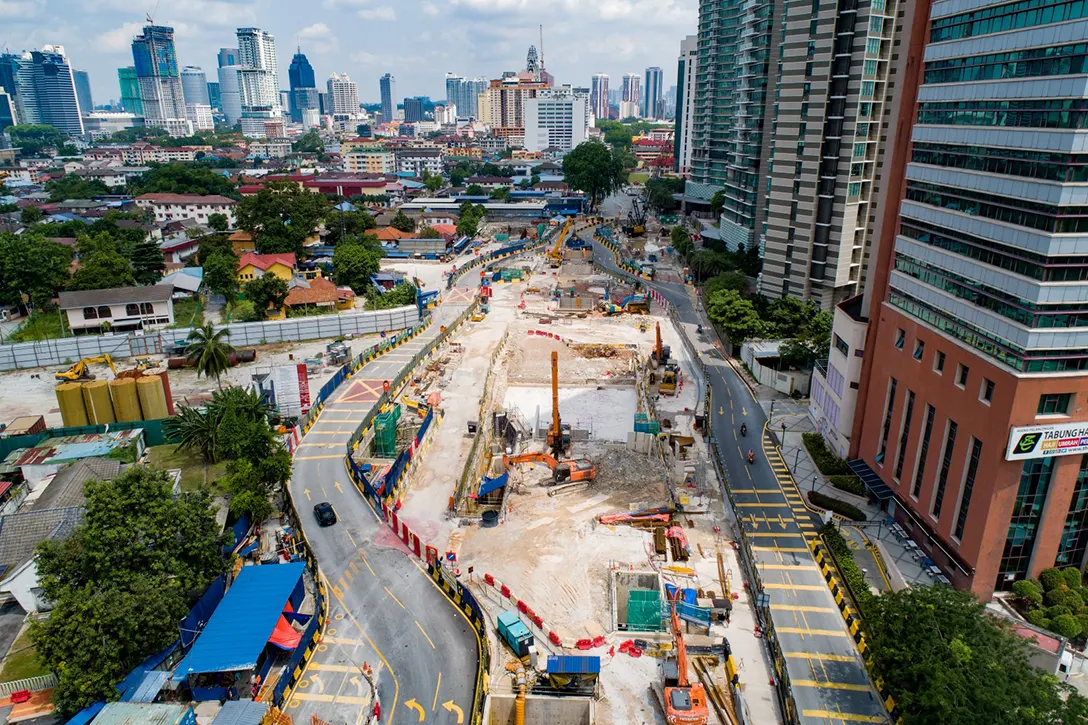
850,484
1051,578
828,463
1072,577
1029,594
1066,625
1062,597
1059,610
851,573
833,504
1039,619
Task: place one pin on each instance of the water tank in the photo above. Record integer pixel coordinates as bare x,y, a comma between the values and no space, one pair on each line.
96,396
72,410
152,397
126,402
166,390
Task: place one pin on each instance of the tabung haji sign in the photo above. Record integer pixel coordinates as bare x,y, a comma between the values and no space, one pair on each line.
1040,441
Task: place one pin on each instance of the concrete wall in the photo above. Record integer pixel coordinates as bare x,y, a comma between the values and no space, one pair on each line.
540,710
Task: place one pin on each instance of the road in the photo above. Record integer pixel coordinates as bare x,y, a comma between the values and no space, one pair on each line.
384,611
828,679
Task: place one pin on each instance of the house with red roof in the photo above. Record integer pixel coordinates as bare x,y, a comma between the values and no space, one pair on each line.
252,265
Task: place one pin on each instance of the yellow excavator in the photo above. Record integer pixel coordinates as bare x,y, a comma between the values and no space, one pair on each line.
82,369
555,254
581,469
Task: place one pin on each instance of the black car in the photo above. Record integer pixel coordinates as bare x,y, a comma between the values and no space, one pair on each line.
324,514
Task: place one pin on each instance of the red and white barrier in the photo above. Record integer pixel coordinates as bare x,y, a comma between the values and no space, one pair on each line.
538,622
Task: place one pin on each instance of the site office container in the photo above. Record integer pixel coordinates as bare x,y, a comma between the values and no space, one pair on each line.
515,633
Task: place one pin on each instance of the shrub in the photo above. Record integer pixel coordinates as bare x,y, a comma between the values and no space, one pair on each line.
852,576
842,508
1051,578
828,463
850,484
1059,610
1060,596
1039,619
1066,625
1072,577
1029,594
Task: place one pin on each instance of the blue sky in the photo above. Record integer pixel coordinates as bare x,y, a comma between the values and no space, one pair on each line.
416,40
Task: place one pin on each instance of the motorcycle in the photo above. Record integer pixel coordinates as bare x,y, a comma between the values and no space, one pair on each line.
751,456
743,430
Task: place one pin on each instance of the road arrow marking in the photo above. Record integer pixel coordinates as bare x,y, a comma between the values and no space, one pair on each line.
318,683
413,705
743,411
450,707
358,684
307,492
337,484
721,410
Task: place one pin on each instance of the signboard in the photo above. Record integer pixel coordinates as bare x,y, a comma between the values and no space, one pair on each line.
1040,441
291,388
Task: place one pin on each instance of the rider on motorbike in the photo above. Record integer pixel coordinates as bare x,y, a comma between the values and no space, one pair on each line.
743,429
751,456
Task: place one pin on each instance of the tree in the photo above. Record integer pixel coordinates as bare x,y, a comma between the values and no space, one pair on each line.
469,220
429,233
71,186
211,350
281,216
706,264
525,184
787,316
659,193
400,296
403,222
811,343
309,143
591,168
717,202
201,429
945,660
501,194
343,226
736,281
475,190
434,182
31,215
249,494
102,269
121,581
219,222
681,241
735,315
353,264
220,270
266,292
32,265
457,177
33,139
147,261
182,179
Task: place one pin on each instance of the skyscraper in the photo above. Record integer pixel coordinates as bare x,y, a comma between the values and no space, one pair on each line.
130,90
685,103
388,85
160,82
413,110
7,112
228,56
598,95
215,98
464,94
556,118
17,81
632,88
194,86
343,96
45,90
653,92
303,87
258,80
83,91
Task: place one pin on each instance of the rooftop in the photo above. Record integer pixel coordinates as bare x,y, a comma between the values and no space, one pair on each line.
115,296
264,261
20,533
66,488
316,291
214,199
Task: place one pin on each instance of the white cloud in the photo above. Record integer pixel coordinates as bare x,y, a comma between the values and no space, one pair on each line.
332,4
641,12
383,13
315,31
366,59
21,9
429,9
117,40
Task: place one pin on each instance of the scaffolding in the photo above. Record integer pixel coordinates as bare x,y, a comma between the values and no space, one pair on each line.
385,433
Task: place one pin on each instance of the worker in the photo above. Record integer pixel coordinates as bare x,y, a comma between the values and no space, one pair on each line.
743,429
751,456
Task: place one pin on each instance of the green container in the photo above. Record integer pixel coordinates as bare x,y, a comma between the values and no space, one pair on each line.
644,610
385,433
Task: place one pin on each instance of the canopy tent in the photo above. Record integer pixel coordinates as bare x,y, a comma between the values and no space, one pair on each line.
284,635
244,622
492,484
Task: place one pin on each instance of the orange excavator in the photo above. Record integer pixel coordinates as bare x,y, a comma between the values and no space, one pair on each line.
685,703
558,434
581,469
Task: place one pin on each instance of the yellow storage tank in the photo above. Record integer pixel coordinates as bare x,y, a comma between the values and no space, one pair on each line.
126,401
152,397
96,396
72,410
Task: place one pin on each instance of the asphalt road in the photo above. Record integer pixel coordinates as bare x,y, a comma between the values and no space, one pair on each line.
828,679
385,611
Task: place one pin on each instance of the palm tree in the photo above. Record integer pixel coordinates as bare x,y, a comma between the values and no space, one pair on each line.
246,404
194,429
211,350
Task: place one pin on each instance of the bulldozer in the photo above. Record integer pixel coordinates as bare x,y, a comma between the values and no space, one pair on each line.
573,471
82,370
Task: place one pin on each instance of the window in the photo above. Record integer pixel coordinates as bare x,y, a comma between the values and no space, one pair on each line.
986,395
900,339
104,311
919,349
840,345
132,310
1074,541
1054,404
968,486
961,375
938,363
904,434
923,451
146,308
1027,510
888,406
946,463
90,313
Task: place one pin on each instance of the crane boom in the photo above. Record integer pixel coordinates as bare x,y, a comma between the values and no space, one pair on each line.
686,703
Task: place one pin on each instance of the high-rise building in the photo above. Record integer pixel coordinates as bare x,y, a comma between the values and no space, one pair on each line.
130,90
303,87
464,93
826,145
735,53
653,92
632,89
160,82
258,81
215,97
200,115
228,56
44,88
7,113
598,95
388,85
685,103
194,86
556,118
505,102
971,398
83,91
230,93
413,110
343,96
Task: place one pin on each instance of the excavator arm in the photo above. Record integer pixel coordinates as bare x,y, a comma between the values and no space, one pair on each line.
81,371
530,458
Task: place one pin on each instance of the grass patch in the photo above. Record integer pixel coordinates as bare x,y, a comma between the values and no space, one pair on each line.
851,573
22,660
850,484
42,325
191,464
842,508
638,177
828,463
187,313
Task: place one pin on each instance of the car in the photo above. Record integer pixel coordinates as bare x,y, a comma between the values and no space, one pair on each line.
325,514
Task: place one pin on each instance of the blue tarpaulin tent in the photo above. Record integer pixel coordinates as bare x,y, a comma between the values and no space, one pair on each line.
238,631
492,484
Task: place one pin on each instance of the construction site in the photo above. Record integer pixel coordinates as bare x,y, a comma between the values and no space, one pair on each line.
569,489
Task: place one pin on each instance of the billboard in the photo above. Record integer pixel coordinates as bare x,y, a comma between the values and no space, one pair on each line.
291,388
1040,441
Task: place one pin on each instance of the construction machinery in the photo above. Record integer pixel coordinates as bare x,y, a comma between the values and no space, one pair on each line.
555,254
661,353
574,471
636,219
685,702
82,369
669,378
558,434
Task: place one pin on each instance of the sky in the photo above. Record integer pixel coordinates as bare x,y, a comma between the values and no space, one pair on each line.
417,41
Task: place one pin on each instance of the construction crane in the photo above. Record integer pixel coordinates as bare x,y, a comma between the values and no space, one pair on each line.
82,369
685,703
636,219
581,469
558,434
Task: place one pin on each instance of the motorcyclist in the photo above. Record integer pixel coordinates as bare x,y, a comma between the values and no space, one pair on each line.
743,429
751,456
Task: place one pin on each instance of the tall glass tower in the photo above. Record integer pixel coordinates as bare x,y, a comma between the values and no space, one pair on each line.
303,86
156,65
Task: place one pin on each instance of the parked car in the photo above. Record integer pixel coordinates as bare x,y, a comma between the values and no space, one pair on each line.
324,514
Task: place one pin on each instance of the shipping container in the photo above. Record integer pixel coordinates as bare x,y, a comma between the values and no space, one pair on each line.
514,632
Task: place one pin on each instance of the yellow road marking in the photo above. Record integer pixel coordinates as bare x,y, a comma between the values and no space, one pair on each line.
797,587
350,537
333,668
843,716
804,608
317,458
776,533
757,505
756,490
820,656
428,642
830,685
783,549
812,632
394,597
351,565
343,584
338,699
435,704
367,565
789,567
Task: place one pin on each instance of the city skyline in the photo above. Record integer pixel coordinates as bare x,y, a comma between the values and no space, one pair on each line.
99,39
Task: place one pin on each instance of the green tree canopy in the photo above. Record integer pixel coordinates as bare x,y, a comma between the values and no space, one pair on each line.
309,143
220,271
475,190
434,182
469,220
201,429
400,296
33,139
182,179
281,216
659,193
501,194
681,240
343,226
31,215
734,280
103,269
457,177
121,581
812,342
266,292
71,186
736,315
705,264
717,202
593,169
353,263
403,222
787,316
219,222
211,350
32,265
429,233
